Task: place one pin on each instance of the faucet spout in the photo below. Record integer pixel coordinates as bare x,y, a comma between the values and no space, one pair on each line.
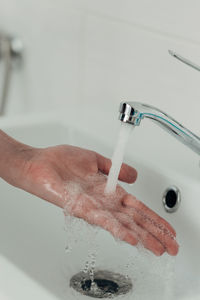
133,112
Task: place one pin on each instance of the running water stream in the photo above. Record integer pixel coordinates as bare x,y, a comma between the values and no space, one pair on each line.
117,158
143,268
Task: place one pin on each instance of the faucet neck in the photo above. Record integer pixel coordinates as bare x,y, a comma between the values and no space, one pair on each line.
134,112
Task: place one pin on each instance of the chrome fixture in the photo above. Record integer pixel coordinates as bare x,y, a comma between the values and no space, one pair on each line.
11,53
171,199
134,112
184,60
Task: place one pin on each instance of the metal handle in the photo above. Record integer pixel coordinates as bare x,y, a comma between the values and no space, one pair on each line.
11,53
184,60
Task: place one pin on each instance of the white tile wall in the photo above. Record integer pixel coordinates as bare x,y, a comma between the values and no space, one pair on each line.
177,18
51,35
123,62
100,52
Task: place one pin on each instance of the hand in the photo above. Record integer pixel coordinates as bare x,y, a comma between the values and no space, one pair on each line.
74,179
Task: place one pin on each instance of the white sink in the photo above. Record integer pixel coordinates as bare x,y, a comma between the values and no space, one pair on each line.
34,264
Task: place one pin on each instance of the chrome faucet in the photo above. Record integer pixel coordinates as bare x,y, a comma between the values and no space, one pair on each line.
133,112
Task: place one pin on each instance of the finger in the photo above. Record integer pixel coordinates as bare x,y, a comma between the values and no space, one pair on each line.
127,173
108,222
143,236
131,201
152,223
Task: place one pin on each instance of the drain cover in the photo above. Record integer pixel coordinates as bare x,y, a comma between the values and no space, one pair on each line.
106,284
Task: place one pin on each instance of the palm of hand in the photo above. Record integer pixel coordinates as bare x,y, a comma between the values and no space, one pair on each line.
73,178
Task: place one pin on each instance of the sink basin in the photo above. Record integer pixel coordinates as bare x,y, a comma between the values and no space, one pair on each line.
33,260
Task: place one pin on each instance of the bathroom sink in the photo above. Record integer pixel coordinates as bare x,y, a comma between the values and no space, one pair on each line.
34,262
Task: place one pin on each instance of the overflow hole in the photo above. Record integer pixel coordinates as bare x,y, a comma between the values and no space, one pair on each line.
171,199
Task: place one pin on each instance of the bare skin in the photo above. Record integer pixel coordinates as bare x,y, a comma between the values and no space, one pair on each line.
49,173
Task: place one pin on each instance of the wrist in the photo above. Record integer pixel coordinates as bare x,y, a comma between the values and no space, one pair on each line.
13,158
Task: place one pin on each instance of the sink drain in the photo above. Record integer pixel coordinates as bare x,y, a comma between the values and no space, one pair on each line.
106,284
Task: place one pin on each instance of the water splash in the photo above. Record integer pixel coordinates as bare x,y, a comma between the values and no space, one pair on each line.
144,269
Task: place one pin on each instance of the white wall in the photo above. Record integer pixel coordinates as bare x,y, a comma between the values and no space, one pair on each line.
99,52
